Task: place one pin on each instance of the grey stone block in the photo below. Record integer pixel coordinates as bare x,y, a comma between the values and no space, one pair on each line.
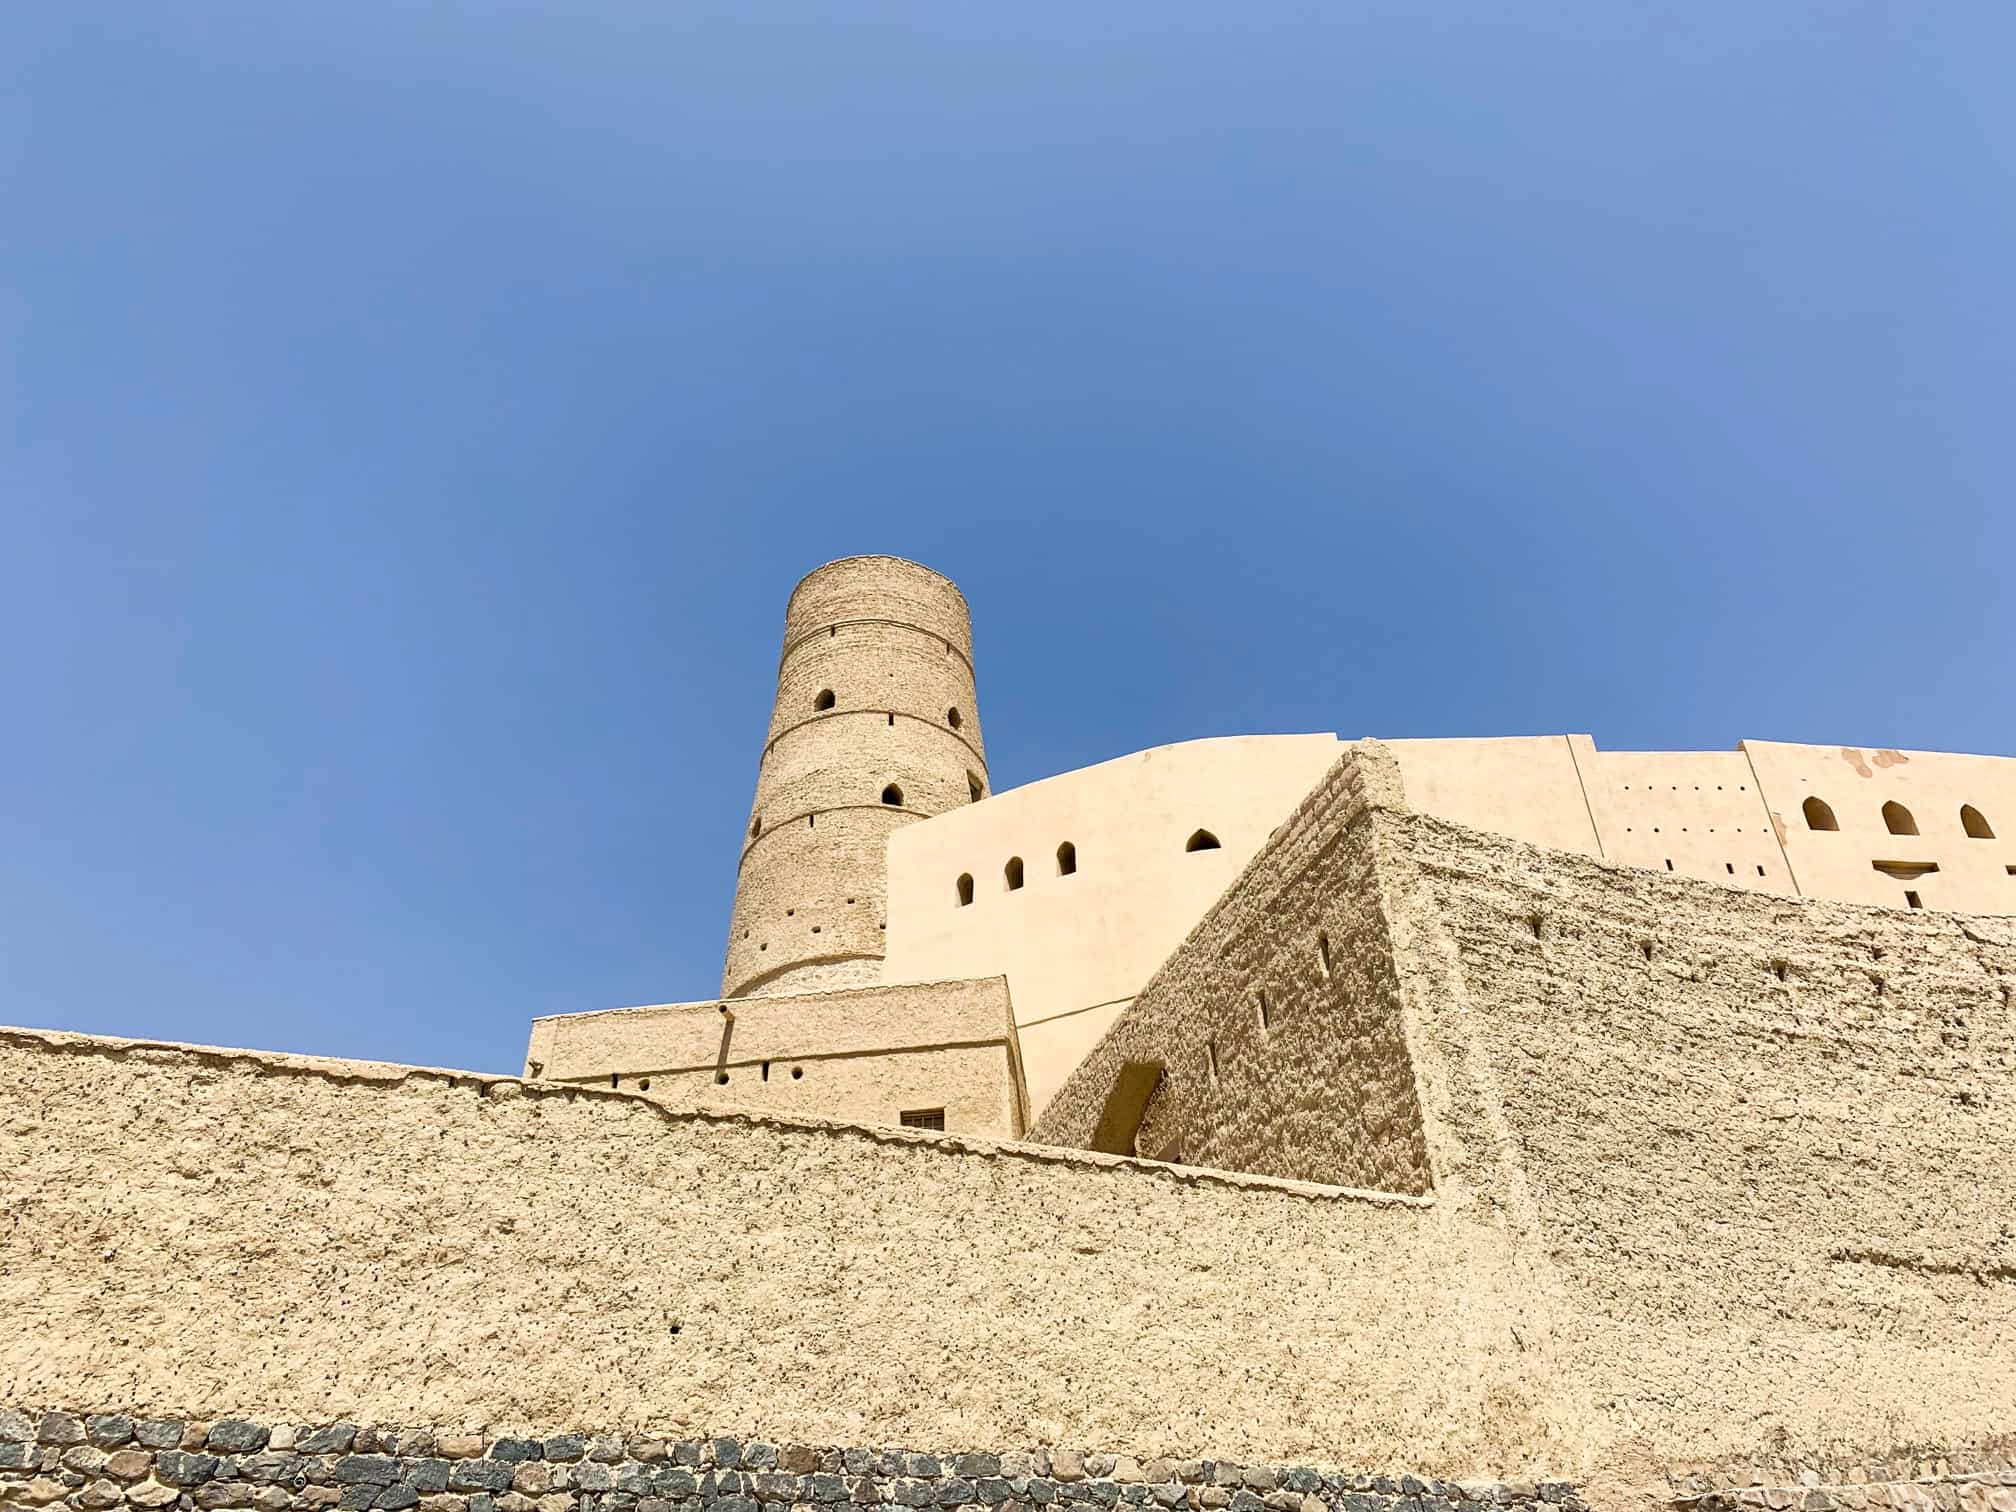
365,1469
334,1439
236,1436
479,1475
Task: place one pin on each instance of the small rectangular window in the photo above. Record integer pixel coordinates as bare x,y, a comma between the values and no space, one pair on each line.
1912,899
924,1118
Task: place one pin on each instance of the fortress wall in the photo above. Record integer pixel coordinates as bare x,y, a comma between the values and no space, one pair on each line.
1076,948
1768,1144
865,1055
1755,1185
1973,873
227,1234
1271,1041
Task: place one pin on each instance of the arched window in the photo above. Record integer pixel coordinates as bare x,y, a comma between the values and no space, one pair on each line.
1897,819
952,718
1975,823
1012,873
893,796
965,888
974,791
824,701
1067,859
1819,816
1202,840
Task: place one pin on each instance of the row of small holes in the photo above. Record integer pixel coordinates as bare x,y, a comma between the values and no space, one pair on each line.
824,702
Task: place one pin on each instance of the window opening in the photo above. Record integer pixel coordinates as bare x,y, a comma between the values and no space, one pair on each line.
1323,954
1975,823
1818,815
974,791
1897,819
893,796
824,701
1912,899
924,1118
965,888
952,718
1012,873
1266,1021
1067,859
1201,841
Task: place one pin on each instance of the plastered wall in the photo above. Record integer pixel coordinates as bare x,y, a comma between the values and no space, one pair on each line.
1271,1041
864,1055
1076,947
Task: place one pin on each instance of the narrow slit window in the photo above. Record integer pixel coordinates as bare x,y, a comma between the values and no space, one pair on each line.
1266,1018
1202,840
1911,899
1323,954
1067,859
974,791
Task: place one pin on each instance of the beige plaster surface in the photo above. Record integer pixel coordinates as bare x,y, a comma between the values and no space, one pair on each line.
1974,875
1076,948
863,1055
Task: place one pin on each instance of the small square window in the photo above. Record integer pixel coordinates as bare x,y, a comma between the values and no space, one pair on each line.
924,1118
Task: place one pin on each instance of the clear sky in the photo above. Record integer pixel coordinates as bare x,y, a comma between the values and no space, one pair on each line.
416,415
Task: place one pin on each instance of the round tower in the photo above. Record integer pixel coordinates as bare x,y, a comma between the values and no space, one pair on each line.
875,727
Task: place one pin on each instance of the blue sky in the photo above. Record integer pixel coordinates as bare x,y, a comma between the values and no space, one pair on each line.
415,417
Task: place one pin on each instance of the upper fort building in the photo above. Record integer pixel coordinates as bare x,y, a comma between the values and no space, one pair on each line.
1026,922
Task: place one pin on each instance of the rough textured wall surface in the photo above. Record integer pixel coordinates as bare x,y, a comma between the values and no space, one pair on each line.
229,1234
862,1055
875,726
1272,1037
1753,1158
1767,1146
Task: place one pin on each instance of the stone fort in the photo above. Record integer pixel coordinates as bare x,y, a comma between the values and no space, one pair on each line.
1273,1124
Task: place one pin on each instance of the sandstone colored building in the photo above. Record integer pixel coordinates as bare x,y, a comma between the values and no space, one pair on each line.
1270,1124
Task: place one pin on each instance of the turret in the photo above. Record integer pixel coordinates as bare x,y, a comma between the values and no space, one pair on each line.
875,727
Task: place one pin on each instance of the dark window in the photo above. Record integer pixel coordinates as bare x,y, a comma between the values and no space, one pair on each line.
1012,873
1912,899
824,701
974,790
952,718
1067,859
965,888
1975,823
893,796
924,1118
1202,840
1897,819
1818,815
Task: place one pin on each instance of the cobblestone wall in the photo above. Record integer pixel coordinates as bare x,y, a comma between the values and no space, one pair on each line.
98,1461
